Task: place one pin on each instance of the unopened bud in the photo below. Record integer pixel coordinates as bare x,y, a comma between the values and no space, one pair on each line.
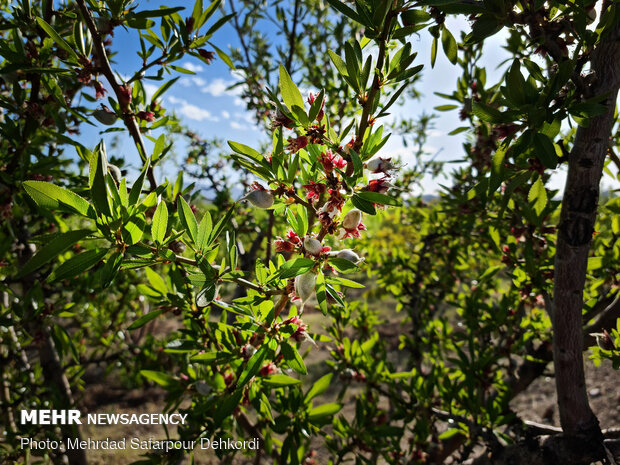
352,219
304,286
313,246
260,198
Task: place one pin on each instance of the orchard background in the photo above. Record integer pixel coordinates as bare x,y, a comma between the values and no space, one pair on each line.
292,283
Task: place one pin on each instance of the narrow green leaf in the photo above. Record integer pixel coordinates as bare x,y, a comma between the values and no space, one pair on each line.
290,93
159,377
341,66
363,205
380,199
321,293
254,365
111,268
187,218
204,232
293,359
324,411
160,222
281,381
319,387
50,196
223,56
538,196
156,281
78,264
52,249
545,150
98,186
449,45
344,9
49,30
219,227
136,189
163,88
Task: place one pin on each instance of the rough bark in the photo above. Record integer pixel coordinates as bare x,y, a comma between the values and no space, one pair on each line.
578,215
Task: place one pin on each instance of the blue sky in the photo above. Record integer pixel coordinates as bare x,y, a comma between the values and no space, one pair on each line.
205,104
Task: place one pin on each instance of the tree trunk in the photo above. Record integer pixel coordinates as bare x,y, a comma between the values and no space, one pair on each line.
578,215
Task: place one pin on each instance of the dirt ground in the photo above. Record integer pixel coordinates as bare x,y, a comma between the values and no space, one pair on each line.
538,404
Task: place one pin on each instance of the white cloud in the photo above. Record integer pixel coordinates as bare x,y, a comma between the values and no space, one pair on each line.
235,125
191,111
192,81
219,87
225,114
192,67
150,89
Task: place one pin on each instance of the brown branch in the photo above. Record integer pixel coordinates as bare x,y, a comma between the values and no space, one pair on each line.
577,219
106,69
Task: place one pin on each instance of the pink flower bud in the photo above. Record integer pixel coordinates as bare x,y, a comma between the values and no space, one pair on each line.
352,219
312,245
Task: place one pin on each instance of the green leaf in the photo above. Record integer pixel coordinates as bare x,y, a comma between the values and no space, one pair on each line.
342,264
341,66
78,264
490,114
321,293
254,365
324,410
133,229
346,282
159,377
292,358
246,150
204,231
159,13
538,195
136,189
187,218
51,250
98,186
223,56
49,30
381,199
160,223
219,227
52,197
290,93
144,319
163,88
344,9
281,381
156,281
319,387
449,45
545,151
110,269
363,205
296,267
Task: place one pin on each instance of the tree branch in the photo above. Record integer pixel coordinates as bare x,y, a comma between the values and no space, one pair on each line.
106,69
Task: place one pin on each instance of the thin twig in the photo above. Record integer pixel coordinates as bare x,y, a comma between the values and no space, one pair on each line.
106,69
